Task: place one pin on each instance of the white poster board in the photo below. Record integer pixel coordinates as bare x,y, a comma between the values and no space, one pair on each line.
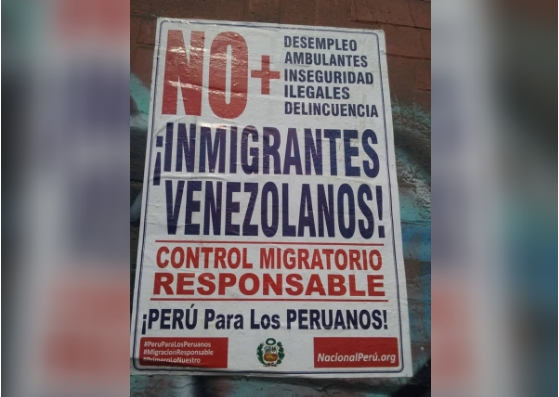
270,239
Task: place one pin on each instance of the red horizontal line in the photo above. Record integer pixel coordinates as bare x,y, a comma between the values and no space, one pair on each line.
266,242
264,300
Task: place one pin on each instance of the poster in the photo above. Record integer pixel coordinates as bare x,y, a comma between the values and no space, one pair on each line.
270,239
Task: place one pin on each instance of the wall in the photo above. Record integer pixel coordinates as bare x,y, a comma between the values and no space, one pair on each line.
407,26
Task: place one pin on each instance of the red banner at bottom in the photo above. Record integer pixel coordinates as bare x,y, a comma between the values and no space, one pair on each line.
184,352
356,352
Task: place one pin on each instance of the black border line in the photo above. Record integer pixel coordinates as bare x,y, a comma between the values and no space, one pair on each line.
271,26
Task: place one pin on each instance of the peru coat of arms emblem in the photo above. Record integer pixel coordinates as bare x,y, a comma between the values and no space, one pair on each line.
270,353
